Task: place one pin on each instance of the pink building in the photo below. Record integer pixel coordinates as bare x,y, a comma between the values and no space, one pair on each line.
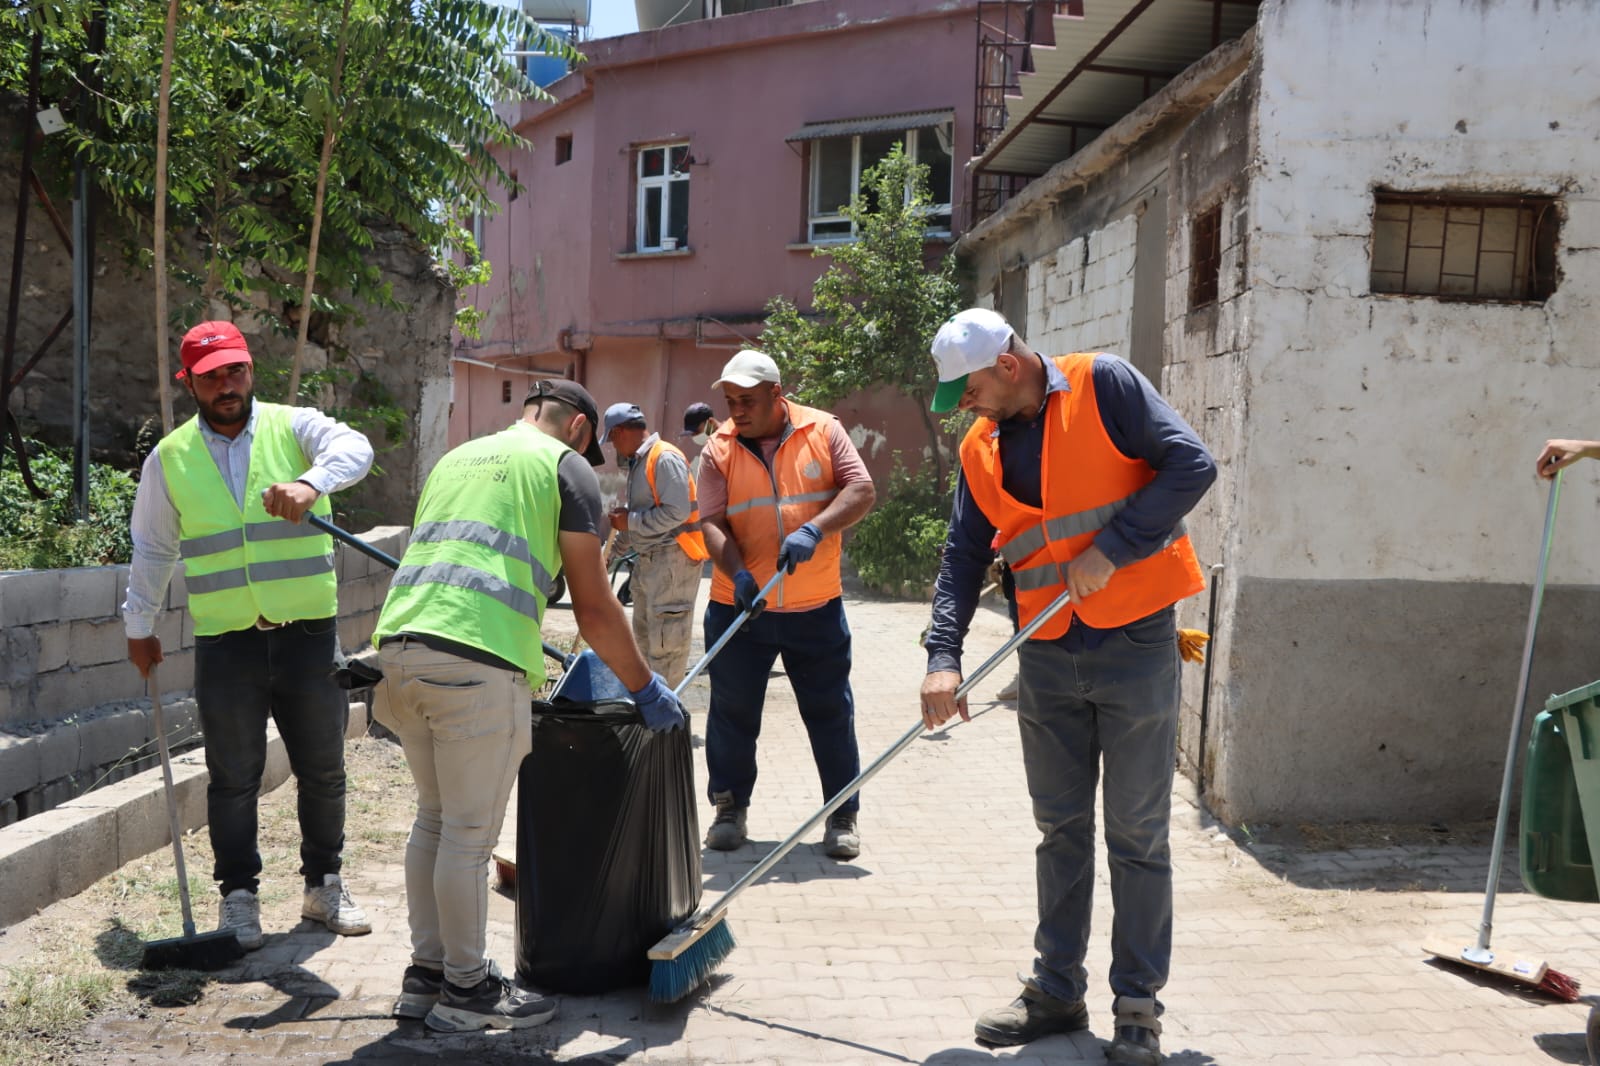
683,177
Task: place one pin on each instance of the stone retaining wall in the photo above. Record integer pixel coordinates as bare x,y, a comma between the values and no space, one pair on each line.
74,714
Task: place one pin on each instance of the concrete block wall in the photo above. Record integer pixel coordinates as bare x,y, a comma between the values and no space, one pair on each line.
74,714
68,848
1080,297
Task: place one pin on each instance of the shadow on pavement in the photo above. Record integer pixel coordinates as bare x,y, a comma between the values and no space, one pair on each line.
1078,1047
1563,1047
1431,857
828,1047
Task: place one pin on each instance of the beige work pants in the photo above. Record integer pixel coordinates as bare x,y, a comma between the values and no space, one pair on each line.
665,581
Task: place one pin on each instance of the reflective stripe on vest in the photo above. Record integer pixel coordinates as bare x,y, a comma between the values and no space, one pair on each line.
688,534
1081,495
241,566
765,505
480,565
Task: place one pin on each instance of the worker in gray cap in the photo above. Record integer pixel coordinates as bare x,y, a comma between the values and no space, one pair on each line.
662,524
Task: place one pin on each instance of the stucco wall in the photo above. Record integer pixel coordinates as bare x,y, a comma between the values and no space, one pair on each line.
1386,521
571,296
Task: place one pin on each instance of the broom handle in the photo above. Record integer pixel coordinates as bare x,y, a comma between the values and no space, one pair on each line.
1481,952
394,564
727,635
172,803
905,741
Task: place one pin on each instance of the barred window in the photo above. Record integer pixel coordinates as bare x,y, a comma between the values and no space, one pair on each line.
1465,247
1205,257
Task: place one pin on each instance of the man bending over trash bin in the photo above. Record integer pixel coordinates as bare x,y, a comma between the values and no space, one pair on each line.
461,652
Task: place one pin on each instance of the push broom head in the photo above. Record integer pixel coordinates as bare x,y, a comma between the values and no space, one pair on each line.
694,955
198,951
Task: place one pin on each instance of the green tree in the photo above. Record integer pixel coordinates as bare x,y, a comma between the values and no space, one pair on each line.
876,308
258,90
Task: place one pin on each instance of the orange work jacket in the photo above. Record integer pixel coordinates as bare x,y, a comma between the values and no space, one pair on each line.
764,507
688,535
1084,481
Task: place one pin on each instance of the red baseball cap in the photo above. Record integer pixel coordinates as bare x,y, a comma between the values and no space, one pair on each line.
210,345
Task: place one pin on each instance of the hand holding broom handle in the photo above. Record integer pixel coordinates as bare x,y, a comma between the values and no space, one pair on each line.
681,938
727,635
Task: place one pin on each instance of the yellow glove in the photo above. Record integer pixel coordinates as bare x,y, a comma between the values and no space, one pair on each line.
1192,644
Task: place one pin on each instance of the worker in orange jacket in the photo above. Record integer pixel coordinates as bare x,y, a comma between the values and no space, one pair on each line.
1081,473
778,484
662,523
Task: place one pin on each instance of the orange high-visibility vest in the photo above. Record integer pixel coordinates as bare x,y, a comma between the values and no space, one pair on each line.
763,508
688,535
1084,481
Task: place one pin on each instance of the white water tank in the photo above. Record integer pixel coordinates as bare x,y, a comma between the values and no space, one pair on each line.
573,11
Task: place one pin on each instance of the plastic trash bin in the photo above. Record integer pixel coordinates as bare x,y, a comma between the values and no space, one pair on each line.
608,837
1560,830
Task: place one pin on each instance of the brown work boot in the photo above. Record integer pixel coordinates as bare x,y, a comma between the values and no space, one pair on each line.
1028,1017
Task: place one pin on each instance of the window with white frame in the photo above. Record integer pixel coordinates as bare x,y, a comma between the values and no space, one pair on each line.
663,204
837,164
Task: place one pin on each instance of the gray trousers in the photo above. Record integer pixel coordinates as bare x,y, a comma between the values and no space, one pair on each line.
1116,706
665,582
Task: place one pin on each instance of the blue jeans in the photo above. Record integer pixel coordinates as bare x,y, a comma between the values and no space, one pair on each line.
815,647
1116,704
241,678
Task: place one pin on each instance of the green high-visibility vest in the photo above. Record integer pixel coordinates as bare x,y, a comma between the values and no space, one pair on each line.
481,562
243,565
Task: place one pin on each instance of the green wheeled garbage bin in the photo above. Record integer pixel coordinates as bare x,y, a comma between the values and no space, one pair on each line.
1560,832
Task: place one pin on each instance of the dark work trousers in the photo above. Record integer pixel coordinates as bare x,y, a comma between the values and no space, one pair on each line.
815,648
241,678
1117,707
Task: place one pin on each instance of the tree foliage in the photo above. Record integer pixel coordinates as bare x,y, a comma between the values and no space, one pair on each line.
253,97
876,308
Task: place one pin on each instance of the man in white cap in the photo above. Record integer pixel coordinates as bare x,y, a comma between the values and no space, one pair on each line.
1081,474
662,524
779,483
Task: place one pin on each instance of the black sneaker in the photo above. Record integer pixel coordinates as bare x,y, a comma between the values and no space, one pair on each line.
1028,1017
419,991
1135,1045
493,1003
841,841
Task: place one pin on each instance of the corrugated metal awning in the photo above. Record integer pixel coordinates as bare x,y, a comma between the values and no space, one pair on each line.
1104,63
850,127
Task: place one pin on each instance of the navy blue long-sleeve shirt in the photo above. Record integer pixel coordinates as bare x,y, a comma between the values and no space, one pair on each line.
1142,425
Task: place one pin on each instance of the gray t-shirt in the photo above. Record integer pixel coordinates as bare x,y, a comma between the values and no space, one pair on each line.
581,508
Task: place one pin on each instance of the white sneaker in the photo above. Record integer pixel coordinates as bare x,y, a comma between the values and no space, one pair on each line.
1009,691
241,912
332,906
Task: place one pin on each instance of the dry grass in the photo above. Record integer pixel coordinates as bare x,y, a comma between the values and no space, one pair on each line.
80,957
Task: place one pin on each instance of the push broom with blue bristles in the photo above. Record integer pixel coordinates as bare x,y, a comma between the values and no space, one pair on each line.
685,958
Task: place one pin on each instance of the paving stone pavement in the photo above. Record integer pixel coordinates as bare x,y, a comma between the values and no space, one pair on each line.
1282,955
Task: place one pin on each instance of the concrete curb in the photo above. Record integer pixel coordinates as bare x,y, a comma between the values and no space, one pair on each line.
63,851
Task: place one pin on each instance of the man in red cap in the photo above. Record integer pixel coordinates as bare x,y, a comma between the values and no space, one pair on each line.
226,492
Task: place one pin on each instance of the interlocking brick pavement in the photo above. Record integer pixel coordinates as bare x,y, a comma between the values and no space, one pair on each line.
1283,955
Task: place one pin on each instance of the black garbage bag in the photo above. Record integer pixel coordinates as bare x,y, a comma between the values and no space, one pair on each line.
608,837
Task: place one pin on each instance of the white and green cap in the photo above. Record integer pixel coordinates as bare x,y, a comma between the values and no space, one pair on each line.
970,341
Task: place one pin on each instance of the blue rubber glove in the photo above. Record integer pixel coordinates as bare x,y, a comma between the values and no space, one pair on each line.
798,547
745,591
658,707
